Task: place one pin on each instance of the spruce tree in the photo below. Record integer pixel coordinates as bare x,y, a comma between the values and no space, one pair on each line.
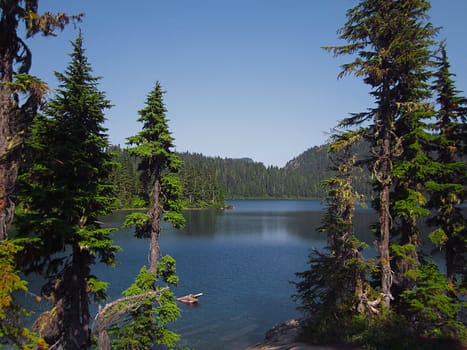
15,62
20,97
391,41
335,289
159,165
447,185
64,191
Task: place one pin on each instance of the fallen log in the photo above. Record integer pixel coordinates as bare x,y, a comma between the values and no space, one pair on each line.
190,298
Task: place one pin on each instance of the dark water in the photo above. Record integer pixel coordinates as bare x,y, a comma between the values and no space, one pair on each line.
241,260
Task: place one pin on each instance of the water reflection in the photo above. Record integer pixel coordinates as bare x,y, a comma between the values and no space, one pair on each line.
201,223
241,259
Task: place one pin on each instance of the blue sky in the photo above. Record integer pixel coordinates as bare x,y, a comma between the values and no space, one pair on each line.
244,78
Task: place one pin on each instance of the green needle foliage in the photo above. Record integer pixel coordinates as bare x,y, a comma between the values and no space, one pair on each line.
146,324
159,167
21,95
432,304
417,171
391,42
15,63
447,185
64,191
334,291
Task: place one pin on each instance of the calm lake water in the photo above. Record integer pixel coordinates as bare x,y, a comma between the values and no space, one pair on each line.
242,260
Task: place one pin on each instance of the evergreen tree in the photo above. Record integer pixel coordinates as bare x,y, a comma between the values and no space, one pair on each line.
200,184
64,191
149,309
447,185
20,96
159,167
391,40
15,62
335,289
432,305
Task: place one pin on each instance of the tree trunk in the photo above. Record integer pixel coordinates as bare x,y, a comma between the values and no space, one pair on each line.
450,261
11,123
85,271
155,227
78,309
385,223
6,108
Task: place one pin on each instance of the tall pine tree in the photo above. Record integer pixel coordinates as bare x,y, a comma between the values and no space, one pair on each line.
64,191
159,165
20,97
447,186
335,290
390,40
15,62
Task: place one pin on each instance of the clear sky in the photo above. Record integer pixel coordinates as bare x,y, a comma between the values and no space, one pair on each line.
244,78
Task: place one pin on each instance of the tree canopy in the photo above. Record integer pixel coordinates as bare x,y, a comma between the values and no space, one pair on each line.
417,171
65,180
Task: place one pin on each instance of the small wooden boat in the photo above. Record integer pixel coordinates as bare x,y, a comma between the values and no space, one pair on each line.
190,298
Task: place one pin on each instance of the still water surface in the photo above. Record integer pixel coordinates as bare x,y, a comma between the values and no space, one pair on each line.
241,259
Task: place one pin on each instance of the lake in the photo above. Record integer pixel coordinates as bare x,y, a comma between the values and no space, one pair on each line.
241,260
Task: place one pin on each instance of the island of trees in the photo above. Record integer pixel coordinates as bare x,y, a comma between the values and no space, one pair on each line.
406,155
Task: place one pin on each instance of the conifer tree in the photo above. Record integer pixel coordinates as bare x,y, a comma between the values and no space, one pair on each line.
159,165
391,41
64,191
447,185
335,289
148,309
15,62
20,96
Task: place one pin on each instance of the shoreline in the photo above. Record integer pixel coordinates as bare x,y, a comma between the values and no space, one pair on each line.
286,336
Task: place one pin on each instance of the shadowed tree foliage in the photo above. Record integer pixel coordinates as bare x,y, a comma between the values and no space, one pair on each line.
207,181
63,193
390,41
391,44
447,187
335,290
15,62
20,97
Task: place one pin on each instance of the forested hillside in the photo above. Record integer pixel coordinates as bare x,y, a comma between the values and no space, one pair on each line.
301,177
208,181
245,178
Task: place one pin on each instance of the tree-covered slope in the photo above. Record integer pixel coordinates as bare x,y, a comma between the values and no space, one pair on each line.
208,181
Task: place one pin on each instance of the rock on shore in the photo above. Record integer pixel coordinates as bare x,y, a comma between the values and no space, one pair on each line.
285,337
